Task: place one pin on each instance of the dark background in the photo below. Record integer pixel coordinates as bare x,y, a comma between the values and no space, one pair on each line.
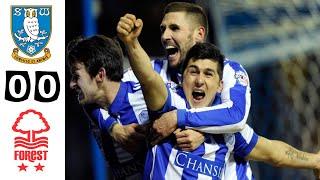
80,145
285,92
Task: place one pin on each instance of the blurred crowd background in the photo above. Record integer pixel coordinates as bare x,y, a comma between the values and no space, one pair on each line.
277,41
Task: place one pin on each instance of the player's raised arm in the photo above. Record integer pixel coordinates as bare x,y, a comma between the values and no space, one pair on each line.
153,87
281,154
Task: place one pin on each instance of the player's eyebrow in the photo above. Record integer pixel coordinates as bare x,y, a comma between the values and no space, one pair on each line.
206,69
74,69
193,66
210,70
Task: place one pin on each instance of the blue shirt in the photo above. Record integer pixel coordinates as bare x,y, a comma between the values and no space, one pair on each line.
228,117
214,159
128,107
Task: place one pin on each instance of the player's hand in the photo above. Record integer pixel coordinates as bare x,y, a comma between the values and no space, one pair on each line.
188,139
128,137
163,126
129,28
317,171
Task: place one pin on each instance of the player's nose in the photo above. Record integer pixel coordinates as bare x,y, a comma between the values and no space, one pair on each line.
166,35
199,80
72,84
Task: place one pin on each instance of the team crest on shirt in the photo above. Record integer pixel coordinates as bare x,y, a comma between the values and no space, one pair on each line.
30,143
144,116
31,31
242,78
172,85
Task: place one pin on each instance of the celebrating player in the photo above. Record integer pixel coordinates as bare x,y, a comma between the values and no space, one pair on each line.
222,156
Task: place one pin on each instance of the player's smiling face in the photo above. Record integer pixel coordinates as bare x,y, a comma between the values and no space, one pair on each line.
83,84
177,36
201,82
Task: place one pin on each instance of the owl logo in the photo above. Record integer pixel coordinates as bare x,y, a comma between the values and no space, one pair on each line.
31,31
31,24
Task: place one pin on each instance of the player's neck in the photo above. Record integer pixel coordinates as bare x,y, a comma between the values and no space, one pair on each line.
110,91
173,72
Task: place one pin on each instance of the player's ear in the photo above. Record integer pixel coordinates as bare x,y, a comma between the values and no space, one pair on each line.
101,75
220,86
200,34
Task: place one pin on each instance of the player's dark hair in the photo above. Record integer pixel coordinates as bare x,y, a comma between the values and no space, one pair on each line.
202,51
192,10
96,52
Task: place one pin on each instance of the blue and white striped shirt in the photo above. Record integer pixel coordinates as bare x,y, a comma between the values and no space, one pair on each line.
228,117
128,107
214,159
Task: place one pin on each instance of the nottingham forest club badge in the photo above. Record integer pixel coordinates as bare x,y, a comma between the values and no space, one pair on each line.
31,31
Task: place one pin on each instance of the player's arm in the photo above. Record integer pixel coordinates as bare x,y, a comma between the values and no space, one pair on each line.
153,87
228,117
188,139
248,145
280,154
126,135
100,117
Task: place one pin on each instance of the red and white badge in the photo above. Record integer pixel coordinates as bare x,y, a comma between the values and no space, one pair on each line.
31,141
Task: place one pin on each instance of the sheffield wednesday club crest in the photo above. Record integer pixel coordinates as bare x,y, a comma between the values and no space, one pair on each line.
31,31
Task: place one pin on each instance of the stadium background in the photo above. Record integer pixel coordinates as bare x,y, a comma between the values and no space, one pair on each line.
276,41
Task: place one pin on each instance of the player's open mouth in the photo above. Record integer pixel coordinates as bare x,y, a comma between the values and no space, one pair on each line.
198,94
80,95
171,51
